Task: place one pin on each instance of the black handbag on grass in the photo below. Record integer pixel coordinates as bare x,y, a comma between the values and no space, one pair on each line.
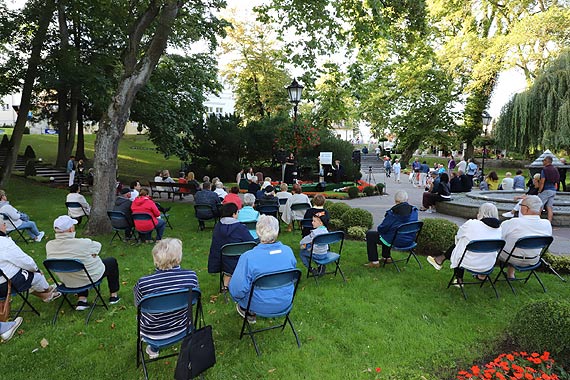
197,352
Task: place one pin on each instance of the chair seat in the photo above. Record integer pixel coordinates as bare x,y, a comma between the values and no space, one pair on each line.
330,258
276,314
527,268
160,343
484,273
65,289
406,248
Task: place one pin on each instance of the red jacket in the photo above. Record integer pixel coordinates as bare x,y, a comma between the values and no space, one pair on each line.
145,205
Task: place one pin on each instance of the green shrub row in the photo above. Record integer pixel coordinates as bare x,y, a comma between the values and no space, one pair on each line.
354,221
436,236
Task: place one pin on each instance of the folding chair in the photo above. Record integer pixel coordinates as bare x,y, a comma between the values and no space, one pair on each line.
538,243
298,209
14,229
142,233
272,281
408,230
23,294
490,248
232,250
332,257
204,213
282,203
272,210
306,223
119,218
165,213
73,266
77,206
167,302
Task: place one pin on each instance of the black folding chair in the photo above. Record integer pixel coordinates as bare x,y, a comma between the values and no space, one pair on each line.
164,213
538,244
490,248
204,213
167,302
143,233
282,203
229,251
120,222
73,266
298,209
331,257
306,223
410,232
13,229
23,294
271,281
272,210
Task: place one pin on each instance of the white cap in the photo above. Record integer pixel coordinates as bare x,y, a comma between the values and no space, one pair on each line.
63,223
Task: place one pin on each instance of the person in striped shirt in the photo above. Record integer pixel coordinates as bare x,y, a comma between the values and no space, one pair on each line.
167,255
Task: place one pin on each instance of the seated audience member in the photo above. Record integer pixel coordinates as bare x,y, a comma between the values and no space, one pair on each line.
22,270
532,190
283,194
19,219
74,196
402,212
194,185
135,188
182,180
320,223
440,193
207,197
486,226
220,190
266,182
297,197
227,230
248,213
518,181
269,197
165,175
318,206
206,179
253,186
233,197
466,182
169,276
528,223
508,182
455,185
267,257
158,178
123,204
143,204
8,329
492,180
67,246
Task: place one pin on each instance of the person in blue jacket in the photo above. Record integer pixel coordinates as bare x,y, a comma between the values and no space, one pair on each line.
227,230
401,213
267,257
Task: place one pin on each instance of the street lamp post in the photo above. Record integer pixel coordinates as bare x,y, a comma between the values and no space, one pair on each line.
486,121
295,90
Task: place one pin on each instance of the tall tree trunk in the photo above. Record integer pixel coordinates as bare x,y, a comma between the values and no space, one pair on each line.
75,93
62,126
44,19
409,152
80,152
137,72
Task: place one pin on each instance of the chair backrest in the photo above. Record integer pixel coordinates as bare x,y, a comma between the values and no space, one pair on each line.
410,230
329,238
7,219
538,243
278,279
485,246
250,224
73,205
307,223
64,265
282,201
166,302
236,249
117,216
268,209
204,211
143,216
300,206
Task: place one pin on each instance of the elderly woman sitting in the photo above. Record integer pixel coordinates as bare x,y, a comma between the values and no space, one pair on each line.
247,212
288,215
486,226
167,255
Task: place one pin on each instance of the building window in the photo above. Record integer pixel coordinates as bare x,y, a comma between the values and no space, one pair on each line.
218,109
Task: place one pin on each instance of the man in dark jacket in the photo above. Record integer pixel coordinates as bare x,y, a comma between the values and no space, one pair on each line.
123,204
400,214
207,197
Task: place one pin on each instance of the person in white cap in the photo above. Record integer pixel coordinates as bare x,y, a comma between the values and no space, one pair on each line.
67,246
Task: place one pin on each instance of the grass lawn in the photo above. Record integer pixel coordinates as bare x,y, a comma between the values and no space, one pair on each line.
408,324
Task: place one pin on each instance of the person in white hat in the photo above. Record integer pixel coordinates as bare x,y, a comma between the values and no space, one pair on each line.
397,169
67,246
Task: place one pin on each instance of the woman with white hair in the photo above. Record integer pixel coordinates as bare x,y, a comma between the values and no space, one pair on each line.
267,257
220,190
247,212
485,227
167,255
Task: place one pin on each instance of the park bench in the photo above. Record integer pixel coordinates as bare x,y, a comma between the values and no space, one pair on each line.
170,188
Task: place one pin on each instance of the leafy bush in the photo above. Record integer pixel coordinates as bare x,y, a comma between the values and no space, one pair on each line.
380,188
561,264
543,325
336,225
353,192
328,205
5,143
436,236
357,217
29,152
357,232
369,190
337,209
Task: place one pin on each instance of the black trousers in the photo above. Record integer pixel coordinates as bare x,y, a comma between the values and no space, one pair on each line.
372,242
112,274
458,271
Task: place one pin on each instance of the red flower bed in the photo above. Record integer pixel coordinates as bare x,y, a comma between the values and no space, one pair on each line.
515,365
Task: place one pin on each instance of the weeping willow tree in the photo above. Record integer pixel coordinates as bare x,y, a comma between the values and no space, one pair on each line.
539,118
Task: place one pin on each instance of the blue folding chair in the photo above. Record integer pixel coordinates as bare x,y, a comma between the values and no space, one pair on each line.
77,207
540,245
306,223
410,232
119,222
229,251
143,234
23,294
167,302
272,210
14,229
331,257
298,210
490,248
73,266
269,281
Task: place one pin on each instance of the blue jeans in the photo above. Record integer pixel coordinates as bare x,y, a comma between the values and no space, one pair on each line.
30,228
305,254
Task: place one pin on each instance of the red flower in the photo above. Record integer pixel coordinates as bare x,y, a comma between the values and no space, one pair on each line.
378,369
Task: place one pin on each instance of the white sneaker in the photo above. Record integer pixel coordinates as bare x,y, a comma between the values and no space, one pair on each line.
509,214
151,354
431,260
40,237
10,333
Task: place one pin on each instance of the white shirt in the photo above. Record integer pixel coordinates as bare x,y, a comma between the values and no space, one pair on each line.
507,183
77,212
474,229
523,226
461,166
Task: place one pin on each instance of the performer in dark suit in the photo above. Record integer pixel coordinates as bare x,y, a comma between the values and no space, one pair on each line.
338,171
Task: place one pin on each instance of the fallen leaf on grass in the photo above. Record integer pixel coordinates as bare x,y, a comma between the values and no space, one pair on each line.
113,325
44,343
367,370
272,370
211,312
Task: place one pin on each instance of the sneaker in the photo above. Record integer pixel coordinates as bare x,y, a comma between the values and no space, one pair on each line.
151,353
82,305
431,211
114,300
433,262
456,283
250,318
53,296
321,270
39,237
10,333
372,265
509,214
